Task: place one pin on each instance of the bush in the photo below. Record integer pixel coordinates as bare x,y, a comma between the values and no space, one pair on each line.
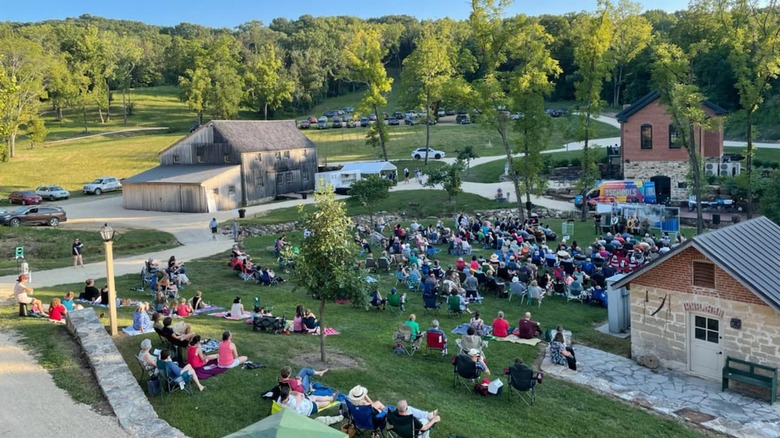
576,162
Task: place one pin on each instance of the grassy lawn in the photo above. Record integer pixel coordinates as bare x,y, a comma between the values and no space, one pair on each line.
49,248
491,171
232,400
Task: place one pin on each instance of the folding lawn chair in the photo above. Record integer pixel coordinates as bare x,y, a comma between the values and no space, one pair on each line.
366,420
429,302
403,339
453,306
171,384
395,304
402,426
517,288
383,264
435,341
522,382
371,264
575,294
465,372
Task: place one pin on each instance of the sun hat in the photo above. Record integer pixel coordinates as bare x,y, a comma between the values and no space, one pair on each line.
494,258
472,352
515,279
357,394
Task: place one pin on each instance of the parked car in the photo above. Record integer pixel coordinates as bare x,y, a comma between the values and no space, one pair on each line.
25,198
419,153
364,121
52,192
372,117
322,123
440,113
349,109
449,112
34,215
410,122
313,120
330,113
393,121
103,184
337,122
556,112
462,119
304,124
398,115
430,120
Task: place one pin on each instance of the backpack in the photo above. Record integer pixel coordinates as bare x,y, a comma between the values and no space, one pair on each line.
153,386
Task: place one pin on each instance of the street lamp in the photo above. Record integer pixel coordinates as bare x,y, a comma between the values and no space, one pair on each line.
107,233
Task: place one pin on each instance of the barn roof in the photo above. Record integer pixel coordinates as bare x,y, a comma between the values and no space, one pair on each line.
755,268
370,167
261,135
651,97
178,174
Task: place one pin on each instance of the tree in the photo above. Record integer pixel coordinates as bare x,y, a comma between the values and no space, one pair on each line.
36,131
593,37
673,76
426,73
325,265
770,201
466,155
752,33
533,129
364,53
128,53
7,88
450,177
267,82
368,191
632,35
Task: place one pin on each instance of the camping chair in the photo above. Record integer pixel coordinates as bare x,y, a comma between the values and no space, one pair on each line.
493,286
403,339
144,376
535,294
371,264
522,382
395,304
575,294
465,372
171,384
402,426
435,341
429,302
453,306
517,289
365,419
598,295
383,264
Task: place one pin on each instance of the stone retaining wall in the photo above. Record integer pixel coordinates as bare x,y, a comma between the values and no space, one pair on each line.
115,379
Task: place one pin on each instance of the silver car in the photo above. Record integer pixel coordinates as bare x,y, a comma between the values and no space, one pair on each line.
52,193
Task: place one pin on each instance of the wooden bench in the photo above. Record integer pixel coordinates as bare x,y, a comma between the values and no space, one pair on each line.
747,372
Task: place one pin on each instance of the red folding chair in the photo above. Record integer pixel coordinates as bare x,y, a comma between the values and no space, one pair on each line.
436,341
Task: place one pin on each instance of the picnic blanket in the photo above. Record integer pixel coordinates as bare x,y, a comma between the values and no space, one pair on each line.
208,309
331,332
209,345
82,301
463,329
133,332
209,370
515,340
237,317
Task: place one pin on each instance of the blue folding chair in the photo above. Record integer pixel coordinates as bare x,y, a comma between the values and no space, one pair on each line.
365,419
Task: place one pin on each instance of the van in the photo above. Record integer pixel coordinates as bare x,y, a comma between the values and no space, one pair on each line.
611,192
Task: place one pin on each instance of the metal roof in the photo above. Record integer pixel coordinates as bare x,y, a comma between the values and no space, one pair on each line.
651,97
746,251
370,167
179,174
261,135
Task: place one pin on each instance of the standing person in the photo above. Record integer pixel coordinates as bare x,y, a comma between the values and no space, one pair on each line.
78,259
406,175
235,230
597,223
213,225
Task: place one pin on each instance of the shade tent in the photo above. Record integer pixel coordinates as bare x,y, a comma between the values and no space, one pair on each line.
287,424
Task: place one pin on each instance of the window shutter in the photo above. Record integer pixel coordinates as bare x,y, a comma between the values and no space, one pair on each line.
704,274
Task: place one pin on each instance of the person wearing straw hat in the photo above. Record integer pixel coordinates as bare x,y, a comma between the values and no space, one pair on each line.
22,293
358,396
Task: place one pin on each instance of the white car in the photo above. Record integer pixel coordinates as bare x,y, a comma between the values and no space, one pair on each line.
52,192
103,184
419,153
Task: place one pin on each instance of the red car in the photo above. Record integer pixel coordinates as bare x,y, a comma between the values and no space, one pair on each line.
25,198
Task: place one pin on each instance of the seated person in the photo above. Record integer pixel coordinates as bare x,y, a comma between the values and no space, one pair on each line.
301,404
237,309
160,303
310,323
422,420
470,341
146,359
358,396
377,300
227,355
396,300
478,325
157,324
141,320
23,292
298,319
519,366
477,357
196,357
184,309
174,371
412,322
104,295
197,301
151,266
500,326
57,310
435,329
460,296
528,329
91,293
180,339
561,354
67,300
302,381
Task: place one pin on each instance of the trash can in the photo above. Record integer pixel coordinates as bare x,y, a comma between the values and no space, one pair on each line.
241,213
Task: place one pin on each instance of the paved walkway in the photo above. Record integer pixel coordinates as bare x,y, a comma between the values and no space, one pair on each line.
671,393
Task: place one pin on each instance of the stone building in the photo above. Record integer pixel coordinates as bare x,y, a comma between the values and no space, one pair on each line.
650,150
716,295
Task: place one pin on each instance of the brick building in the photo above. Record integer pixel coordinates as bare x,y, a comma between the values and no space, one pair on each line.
650,150
716,295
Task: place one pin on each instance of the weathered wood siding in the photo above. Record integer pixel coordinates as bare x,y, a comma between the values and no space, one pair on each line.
224,189
205,146
273,173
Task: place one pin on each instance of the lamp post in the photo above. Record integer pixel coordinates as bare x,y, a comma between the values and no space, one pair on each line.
107,233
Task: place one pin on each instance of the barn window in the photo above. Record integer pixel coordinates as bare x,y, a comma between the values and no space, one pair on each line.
304,175
259,181
216,191
288,177
674,137
231,190
646,137
226,157
175,159
703,274
200,152
287,154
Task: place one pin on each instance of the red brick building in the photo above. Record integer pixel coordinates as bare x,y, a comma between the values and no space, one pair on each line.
714,296
650,150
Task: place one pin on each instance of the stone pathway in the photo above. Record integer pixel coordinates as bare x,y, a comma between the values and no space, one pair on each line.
671,393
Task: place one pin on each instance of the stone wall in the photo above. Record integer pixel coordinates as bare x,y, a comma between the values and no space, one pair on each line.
115,379
644,170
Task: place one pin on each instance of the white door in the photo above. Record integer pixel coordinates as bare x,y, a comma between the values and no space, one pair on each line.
706,356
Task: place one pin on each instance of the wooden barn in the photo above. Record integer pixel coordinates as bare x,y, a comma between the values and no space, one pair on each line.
225,165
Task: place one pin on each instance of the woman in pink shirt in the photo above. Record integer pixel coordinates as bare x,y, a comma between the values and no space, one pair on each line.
195,355
228,353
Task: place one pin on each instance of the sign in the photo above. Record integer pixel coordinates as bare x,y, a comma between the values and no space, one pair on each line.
701,308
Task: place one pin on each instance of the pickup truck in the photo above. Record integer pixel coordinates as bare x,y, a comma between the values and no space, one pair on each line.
102,184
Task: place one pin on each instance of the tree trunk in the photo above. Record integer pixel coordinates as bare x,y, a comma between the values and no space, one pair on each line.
59,113
84,110
510,160
323,358
380,122
265,111
427,125
12,143
696,180
124,105
617,81
108,102
527,175
749,163
200,118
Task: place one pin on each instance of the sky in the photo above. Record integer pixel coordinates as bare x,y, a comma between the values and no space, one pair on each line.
231,13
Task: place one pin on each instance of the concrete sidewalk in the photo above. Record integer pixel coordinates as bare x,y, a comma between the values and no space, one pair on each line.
671,393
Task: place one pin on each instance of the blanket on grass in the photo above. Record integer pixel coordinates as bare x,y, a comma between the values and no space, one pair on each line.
515,340
118,304
237,317
209,370
463,329
133,332
208,309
